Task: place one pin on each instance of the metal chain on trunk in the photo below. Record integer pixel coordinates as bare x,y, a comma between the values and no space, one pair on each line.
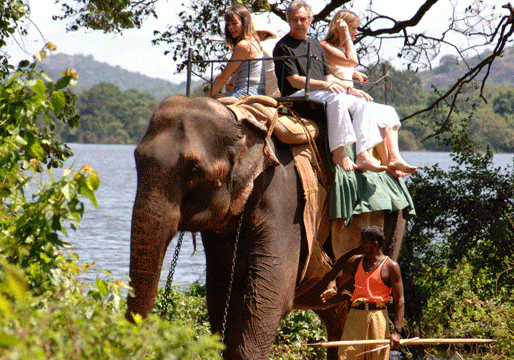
224,324
171,273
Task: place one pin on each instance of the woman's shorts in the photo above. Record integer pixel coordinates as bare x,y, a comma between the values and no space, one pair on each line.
242,91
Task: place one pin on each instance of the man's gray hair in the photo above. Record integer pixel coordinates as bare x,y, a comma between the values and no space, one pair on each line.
298,4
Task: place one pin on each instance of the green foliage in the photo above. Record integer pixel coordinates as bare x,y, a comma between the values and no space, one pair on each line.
12,20
468,207
76,321
446,64
457,257
299,328
503,104
111,16
110,116
29,227
45,311
455,308
403,89
185,306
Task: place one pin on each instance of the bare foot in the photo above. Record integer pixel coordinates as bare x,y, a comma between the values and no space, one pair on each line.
400,165
396,173
340,158
364,162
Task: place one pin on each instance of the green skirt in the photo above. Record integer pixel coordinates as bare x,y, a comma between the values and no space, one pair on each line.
357,192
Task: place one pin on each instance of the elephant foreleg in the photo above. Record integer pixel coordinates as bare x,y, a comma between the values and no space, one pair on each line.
269,296
220,256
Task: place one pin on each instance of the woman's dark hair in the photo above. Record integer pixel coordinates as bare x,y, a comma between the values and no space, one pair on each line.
239,12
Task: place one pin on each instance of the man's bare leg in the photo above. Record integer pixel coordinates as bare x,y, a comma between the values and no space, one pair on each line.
365,162
340,158
395,161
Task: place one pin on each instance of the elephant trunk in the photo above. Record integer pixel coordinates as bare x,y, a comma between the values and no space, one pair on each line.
154,223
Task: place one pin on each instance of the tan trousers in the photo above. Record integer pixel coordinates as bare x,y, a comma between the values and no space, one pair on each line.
365,325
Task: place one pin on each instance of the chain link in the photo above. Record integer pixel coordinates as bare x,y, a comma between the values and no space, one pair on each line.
170,274
224,324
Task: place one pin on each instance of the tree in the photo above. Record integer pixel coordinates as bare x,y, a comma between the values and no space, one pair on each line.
447,64
458,253
109,115
403,89
504,103
45,311
112,16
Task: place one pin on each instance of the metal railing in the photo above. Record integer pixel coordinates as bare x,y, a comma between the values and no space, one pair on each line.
190,72
309,56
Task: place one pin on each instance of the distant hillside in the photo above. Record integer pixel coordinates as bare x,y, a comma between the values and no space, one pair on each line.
501,73
92,72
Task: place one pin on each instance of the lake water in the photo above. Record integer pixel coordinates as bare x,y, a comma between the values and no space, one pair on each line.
104,235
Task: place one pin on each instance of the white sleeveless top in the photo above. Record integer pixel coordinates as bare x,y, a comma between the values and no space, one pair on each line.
255,76
343,73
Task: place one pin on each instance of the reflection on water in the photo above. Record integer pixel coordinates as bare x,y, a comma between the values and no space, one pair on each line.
104,235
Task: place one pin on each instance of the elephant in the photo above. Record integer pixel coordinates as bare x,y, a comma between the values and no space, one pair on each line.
201,170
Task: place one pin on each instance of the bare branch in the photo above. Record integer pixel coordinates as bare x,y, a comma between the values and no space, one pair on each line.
398,25
505,29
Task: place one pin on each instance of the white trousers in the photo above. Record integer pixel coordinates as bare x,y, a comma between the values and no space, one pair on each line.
368,117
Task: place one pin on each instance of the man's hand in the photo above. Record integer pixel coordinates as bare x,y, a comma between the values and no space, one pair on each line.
335,88
327,294
395,340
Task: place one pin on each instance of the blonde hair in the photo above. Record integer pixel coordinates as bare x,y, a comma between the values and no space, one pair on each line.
333,35
240,12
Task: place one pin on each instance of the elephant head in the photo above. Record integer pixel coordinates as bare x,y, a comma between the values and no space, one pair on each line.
195,169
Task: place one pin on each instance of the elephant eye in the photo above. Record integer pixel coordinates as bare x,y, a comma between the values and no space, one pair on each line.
192,171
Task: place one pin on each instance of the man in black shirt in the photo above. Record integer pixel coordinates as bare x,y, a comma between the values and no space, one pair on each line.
291,75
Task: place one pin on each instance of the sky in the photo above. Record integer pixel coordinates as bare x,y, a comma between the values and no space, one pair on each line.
133,50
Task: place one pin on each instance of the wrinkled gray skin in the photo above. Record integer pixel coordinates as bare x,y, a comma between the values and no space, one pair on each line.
196,169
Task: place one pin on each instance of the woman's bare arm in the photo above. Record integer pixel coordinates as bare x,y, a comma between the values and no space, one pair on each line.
243,50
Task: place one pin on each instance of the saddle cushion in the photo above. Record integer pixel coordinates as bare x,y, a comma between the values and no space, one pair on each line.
287,125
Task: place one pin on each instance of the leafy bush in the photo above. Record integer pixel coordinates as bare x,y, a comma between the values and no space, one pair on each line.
184,306
298,329
455,309
45,311
457,258
84,322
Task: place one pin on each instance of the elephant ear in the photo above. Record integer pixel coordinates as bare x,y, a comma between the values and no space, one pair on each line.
254,156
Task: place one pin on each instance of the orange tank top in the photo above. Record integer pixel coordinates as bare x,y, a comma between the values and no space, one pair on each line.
370,286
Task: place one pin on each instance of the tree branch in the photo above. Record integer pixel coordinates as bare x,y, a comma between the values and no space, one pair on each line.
505,28
398,25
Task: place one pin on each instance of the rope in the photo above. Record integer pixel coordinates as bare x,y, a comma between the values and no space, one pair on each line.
312,143
272,124
377,78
